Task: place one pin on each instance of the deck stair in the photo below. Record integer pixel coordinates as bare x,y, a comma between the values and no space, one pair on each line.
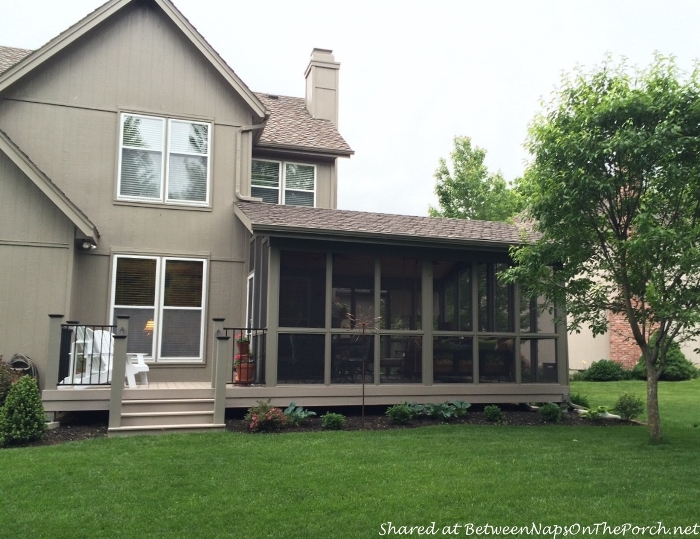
153,411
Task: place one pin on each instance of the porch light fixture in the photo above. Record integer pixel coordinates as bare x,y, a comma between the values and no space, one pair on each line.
85,245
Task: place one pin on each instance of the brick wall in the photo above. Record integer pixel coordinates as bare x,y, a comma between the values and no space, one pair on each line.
623,347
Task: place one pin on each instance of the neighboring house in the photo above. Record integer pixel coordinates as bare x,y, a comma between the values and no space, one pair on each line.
140,177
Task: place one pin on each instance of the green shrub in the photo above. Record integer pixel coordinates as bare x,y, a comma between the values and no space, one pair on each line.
629,406
493,413
331,421
400,414
296,415
579,399
677,368
605,370
594,415
416,409
22,418
443,411
7,377
551,413
264,417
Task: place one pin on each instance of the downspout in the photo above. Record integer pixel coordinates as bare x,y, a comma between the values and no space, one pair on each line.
239,151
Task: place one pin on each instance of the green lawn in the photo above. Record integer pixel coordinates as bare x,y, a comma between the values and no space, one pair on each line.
347,484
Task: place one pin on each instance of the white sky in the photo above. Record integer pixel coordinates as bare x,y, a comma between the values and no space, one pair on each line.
413,74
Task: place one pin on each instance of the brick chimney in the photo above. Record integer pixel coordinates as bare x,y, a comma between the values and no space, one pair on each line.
322,85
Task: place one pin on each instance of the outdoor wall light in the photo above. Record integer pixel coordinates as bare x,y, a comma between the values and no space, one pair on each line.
85,245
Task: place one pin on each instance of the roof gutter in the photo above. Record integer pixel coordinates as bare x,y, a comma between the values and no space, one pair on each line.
239,152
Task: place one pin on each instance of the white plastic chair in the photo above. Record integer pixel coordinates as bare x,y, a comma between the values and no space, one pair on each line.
135,364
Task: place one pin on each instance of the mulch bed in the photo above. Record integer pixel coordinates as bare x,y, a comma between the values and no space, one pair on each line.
85,425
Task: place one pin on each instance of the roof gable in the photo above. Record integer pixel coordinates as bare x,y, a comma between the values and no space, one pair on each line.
29,62
46,186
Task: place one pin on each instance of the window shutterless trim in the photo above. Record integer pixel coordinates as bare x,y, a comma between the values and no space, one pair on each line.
282,180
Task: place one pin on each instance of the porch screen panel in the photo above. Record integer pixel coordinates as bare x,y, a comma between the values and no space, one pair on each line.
496,300
135,297
181,323
300,359
496,360
400,359
141,165
538,360
353,288
401,293
453,360
352,356
302,289
265,180
452,296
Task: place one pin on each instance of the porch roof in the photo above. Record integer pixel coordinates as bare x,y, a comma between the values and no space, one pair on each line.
319,223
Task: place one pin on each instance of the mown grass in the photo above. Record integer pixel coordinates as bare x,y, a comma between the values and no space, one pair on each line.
346,484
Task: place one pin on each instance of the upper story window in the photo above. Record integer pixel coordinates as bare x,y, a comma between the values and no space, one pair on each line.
284,183
164,160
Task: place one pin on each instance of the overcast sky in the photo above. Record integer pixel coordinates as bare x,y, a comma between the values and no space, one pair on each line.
413,74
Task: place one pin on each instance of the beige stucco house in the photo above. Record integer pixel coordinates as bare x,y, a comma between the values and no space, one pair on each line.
141,178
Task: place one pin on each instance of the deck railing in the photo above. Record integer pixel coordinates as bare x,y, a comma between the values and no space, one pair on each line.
86,354
248,361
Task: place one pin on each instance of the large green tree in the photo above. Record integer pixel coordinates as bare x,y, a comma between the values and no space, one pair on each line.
469,190
614,191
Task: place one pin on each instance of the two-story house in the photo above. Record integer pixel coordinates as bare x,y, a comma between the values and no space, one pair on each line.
141,177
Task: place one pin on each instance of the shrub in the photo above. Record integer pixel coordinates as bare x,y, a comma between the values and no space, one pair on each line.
629,406
7,377
579,399
605,370
296,415
264,417
332,421
400,414
594,415
493,413
677,368
22,418
551,413
416,409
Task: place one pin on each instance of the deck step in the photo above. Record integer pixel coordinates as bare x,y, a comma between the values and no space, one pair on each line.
167,418
165,429
167,405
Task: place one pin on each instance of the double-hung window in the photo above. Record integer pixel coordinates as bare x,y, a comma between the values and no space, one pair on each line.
279,182
164,160
164,299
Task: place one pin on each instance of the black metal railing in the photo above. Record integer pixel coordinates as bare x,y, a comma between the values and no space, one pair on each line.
86,354
249,352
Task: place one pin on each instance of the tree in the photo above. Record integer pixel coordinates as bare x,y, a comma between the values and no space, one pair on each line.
614,191
470,191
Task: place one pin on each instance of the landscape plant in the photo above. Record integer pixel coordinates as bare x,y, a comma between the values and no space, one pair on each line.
22,417
493,413
677,369
579,399
629,406
605,370
332,421
400,414
264,417
613,196
550,412
7,378
296,415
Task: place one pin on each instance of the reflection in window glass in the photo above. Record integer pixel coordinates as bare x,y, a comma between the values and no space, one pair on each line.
453,360
302,289
300,359
536,317
538,360
496,299
401,293
496,360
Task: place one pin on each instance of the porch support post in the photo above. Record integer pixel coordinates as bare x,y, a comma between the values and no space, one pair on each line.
54,352
218,330
475,322
223,352
562,351
273,318
378,325
427,321
118,372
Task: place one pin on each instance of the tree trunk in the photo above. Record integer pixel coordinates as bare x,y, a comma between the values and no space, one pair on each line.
653,418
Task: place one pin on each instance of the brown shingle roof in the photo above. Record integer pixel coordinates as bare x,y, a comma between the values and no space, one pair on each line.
271,218
9,56
292,126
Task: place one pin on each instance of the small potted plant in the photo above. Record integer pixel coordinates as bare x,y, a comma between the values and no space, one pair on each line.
243,343
245,368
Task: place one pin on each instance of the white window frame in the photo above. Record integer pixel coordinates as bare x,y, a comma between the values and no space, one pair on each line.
282,175
165,161
159,308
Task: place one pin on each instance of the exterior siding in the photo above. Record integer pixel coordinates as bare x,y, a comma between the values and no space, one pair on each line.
36,243
65,117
